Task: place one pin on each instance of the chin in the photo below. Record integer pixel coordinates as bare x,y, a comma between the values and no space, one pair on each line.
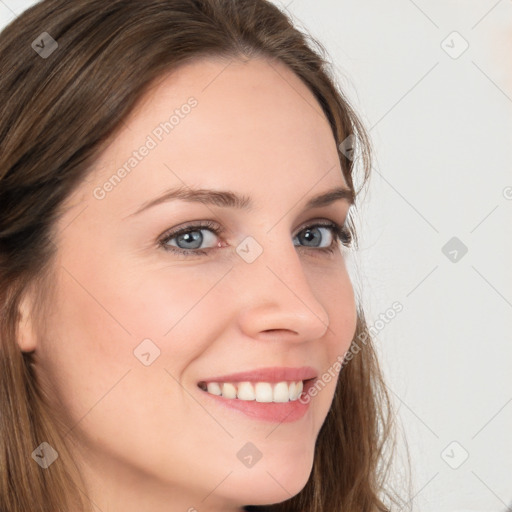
273,484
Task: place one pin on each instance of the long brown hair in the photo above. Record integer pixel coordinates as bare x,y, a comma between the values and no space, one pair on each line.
60,105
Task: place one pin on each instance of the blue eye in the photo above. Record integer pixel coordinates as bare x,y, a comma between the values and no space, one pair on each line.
188,239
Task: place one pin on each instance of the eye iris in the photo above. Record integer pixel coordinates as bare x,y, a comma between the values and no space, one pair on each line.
196,237
310,236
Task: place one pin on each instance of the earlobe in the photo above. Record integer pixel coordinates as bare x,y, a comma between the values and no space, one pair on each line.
25,338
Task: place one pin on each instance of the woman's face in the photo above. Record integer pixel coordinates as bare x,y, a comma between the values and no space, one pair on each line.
135,327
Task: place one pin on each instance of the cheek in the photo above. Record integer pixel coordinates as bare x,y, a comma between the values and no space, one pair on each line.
345,317
110,319
159,303
343,320
87,343
90,361
334,289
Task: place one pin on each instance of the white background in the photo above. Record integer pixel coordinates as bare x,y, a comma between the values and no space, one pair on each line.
441,127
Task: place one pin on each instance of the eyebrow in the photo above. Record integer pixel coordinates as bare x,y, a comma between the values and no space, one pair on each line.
229,199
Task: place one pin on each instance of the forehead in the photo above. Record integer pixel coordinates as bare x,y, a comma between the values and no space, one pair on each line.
248,125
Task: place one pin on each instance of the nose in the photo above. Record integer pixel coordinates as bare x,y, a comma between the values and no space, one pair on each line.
276,298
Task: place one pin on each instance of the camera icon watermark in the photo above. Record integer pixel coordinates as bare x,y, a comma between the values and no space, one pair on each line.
454,249
348,146
45,455
249,455
44,45
454,45
146,352
455,455
249,249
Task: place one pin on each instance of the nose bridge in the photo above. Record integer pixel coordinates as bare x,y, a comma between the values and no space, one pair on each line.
275,291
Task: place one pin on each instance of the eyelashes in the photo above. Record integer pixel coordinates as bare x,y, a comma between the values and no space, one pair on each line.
337,232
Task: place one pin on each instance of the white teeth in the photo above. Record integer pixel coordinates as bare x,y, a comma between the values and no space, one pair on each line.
245,391
259,391
214,388
263,391
281,392
228,390
293,391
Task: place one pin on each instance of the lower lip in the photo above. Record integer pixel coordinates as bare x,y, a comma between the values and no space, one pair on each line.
275,412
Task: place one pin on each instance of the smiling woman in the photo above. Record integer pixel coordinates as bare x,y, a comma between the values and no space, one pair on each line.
178,338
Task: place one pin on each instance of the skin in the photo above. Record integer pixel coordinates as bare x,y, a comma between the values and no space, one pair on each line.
146,438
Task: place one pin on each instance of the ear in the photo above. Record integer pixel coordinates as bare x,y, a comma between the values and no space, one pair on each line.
26,337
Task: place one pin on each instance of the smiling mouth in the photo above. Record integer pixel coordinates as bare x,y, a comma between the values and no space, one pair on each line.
284,391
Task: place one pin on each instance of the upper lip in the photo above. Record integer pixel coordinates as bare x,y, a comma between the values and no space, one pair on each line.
269,374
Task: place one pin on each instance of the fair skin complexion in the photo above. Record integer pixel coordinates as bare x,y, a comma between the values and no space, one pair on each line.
147,437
